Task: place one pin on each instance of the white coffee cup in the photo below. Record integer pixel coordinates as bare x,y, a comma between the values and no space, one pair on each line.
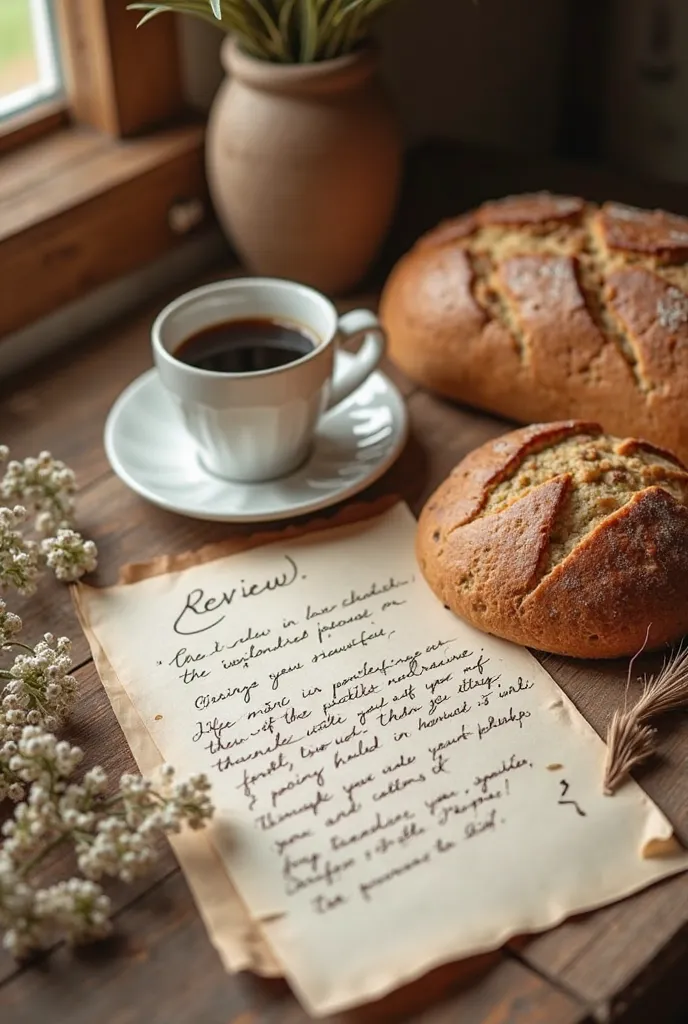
258,426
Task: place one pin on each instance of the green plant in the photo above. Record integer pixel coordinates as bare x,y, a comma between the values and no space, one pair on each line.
283,31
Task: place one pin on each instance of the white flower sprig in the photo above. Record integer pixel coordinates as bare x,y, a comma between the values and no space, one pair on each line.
19,558
112,835
69,555
10,626
112,827
43,487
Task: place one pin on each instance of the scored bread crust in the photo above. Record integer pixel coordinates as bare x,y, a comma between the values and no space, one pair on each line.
563,538
543,307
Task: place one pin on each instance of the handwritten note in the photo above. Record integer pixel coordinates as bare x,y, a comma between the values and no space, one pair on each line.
394,788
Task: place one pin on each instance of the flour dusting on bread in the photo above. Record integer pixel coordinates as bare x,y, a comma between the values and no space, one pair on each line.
672,309
542,307
602,481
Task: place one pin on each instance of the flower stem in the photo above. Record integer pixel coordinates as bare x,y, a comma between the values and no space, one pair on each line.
35,861
17,643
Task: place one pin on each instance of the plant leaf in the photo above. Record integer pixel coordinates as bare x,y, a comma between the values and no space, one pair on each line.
199,8
286,28
282,30
273,41
150,12
309,31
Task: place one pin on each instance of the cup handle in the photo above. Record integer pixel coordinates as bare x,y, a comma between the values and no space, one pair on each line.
346,381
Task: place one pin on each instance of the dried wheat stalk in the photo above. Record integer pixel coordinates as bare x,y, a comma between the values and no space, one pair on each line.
668,691
630,740
628,745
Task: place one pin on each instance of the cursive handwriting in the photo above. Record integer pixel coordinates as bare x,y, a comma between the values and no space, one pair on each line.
200,613
361,752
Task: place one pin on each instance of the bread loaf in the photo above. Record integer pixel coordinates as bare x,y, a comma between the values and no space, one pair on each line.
564,538
543,307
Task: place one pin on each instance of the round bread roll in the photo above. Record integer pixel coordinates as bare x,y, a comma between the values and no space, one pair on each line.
542,307
563,538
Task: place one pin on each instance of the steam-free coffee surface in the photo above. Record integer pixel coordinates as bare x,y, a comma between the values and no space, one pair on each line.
245,346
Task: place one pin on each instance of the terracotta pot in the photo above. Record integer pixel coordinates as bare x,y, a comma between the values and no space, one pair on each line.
304,166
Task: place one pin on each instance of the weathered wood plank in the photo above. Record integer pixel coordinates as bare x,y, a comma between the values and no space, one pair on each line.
624,957
111,85
162,970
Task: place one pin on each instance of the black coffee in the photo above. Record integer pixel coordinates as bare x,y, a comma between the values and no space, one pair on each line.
245,346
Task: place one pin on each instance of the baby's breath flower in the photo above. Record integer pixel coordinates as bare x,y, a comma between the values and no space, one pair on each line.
184,802
76,910
42,758
117,851
46,486
113,836
78,907
95,781
41,681
112,833
190,801
16,909
19,558
10,625
69,555
33,826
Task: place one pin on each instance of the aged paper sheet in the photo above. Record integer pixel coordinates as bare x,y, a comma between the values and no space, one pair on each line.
394,789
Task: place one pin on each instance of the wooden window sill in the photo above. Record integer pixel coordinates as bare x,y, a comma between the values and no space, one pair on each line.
78,210
30,125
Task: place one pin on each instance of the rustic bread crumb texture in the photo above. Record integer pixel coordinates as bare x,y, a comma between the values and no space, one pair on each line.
601,480
542,307
562,537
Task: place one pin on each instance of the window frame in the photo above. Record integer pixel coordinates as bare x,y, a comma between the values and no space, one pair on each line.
29,125
111,83
141,153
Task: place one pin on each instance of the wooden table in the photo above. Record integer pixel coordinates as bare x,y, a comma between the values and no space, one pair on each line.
625,963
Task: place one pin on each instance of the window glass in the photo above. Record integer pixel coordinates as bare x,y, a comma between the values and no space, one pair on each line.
28,55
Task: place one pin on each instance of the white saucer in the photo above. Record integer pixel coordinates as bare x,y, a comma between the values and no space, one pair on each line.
149,450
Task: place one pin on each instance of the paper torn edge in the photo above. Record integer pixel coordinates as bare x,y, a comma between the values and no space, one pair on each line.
350,515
